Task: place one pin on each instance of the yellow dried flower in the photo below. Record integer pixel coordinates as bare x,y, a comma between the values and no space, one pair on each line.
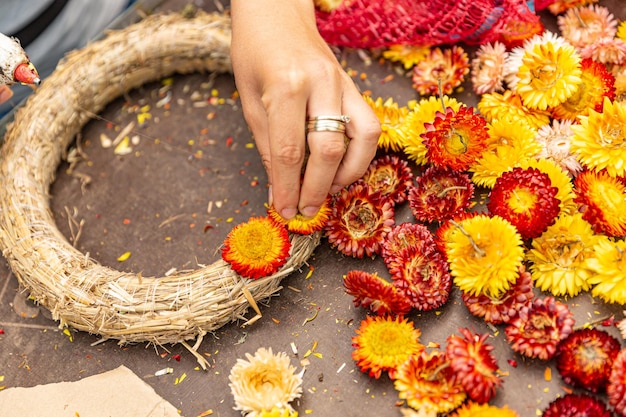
512,141
495,106
263,382
549,75
391,117
484,254
558,256
609,265
408,55
600,138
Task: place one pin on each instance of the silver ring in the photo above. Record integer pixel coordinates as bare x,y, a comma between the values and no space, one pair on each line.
327,124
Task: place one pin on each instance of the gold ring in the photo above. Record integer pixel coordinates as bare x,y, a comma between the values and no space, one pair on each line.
327,124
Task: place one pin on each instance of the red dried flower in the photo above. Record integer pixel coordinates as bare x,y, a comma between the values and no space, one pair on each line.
506,307
584,359
616,389
456,139
440,194
375,293
423,276
403,236
472,360
526,198
576,405
360,221
539,328
390,175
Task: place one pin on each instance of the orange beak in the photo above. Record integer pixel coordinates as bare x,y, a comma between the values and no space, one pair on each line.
26,74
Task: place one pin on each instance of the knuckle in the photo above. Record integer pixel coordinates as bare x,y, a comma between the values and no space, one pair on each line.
332,150
289,155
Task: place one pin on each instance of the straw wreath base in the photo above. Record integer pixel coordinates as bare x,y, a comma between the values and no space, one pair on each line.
80,292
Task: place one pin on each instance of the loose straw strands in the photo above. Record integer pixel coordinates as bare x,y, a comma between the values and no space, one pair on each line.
80,292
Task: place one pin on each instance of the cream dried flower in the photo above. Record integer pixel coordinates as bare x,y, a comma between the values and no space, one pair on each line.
263,382
586,25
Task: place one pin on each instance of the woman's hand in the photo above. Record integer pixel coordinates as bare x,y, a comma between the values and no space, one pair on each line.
285,74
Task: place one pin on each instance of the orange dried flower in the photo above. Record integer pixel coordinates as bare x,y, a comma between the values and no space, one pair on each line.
301,224
383,343
447,68
375,293
257,248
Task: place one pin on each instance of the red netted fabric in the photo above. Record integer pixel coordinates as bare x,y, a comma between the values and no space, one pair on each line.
382,23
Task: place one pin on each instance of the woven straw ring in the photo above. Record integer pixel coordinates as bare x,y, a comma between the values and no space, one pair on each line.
327,124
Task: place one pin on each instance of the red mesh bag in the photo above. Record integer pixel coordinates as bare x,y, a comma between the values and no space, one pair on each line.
382,23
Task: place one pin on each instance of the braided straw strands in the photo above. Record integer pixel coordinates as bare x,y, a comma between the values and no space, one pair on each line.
80,292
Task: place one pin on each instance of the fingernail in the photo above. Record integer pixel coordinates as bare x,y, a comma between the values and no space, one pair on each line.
310,211
289,213
270,200
335,188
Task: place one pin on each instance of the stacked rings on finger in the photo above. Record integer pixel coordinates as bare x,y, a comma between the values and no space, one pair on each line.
327,124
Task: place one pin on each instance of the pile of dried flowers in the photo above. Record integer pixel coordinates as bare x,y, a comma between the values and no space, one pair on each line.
548,143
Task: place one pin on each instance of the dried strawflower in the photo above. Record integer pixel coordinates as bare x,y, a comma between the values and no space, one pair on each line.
600,138
559,6
609,266
474,409
383,343
422,275
485,254
555,141
455,139
391,117
427,382
441,72
360,221
511,141
440,194
559,179
405,235
515,58
494,106
608,51
391,176
582,26
539,328
505,307
616,388
584,359
375,293
301,224
487,70
263,382
414,125
549,74
602,201
257,248
576,405
410,412
526,198
408,55
557,257
597,83
472,360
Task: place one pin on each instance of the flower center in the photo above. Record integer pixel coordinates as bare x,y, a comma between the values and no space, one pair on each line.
521,200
